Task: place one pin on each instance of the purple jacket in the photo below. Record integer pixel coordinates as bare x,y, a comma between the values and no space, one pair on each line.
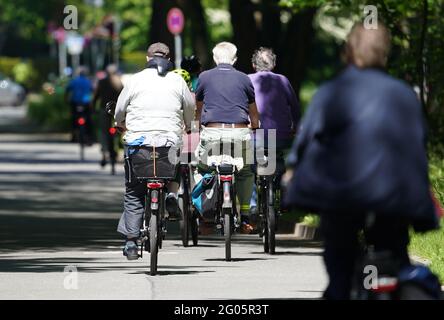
277,103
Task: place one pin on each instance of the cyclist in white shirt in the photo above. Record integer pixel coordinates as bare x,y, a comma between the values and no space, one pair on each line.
154,108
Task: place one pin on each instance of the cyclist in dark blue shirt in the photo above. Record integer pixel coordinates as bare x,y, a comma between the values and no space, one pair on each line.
79,93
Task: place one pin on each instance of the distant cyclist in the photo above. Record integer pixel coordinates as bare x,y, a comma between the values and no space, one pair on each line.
154,107
108,89
277,104
194,68
185,76
79,93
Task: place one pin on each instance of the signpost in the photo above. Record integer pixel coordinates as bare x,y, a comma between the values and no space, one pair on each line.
59,35
176,23
74,42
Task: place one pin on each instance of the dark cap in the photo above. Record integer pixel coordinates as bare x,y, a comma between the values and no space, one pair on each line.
158,49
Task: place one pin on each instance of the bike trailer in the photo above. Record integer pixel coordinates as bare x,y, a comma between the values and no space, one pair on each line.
148,162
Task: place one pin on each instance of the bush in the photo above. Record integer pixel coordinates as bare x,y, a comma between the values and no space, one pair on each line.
133,61
49,111
431,245
30,73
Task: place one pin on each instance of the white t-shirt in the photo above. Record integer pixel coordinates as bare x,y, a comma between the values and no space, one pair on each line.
155,108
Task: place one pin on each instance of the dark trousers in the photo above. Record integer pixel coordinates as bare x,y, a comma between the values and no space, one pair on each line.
342,247
133,203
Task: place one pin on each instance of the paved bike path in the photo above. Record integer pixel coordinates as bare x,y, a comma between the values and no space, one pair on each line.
57,212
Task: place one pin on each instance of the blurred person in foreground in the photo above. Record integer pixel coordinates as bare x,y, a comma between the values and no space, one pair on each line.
79,93
108,89
278,108
361,149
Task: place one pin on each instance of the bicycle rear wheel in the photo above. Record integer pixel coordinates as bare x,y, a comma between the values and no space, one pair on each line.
194,225
184,205
263,207
271,219
153,243
82,142
227,233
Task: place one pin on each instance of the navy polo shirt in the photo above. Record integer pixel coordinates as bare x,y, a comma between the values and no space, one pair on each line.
226,94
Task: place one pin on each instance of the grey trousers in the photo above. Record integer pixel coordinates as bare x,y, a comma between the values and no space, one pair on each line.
133,204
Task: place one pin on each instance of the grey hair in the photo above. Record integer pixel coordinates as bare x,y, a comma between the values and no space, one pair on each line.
225,52
263,59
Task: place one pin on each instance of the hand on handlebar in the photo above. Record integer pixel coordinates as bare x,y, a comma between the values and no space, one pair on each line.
121,128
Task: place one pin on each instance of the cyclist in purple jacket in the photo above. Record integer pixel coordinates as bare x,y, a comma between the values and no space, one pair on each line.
278,107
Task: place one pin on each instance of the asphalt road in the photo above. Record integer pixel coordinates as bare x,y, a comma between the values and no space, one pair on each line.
59,215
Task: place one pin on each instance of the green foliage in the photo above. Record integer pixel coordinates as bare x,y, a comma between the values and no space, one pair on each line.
135,17
311,220
431,245
133,61
50,112
218,20
7,66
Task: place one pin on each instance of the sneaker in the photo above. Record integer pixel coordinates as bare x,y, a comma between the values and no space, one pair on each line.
172,207
246,228
130,251
103,163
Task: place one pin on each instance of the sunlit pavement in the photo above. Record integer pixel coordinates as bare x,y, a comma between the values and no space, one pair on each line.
60,214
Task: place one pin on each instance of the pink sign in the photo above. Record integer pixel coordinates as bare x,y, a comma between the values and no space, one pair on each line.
175,21
59,35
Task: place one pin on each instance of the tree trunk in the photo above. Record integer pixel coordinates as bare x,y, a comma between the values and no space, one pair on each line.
271,28
421,64
297,46
194,12
159,31
244,32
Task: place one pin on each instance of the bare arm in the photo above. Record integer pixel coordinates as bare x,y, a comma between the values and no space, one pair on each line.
199,106
254,115
188,107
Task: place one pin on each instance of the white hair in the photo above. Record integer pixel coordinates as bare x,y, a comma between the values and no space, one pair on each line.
225,52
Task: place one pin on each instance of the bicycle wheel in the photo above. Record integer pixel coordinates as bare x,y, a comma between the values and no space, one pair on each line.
227,233
194,225
271,219
184,205
82,142
112,156
153,243
264,221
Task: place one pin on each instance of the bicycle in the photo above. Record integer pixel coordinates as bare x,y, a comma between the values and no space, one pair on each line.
80,128
111,137
225,211
189,224
269,196
152,166
379,275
